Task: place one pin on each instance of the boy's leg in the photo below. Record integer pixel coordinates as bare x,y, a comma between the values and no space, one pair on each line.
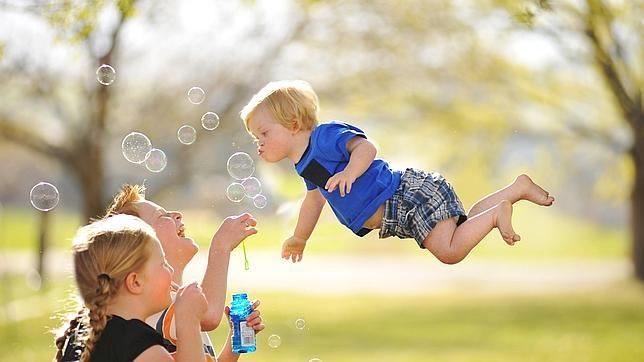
523,188
451,244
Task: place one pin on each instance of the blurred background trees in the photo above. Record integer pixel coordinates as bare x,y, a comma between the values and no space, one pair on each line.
480,90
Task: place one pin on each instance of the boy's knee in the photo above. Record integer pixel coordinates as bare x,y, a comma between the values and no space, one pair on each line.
451,259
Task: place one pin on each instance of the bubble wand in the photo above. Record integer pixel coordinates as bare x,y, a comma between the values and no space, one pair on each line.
245,257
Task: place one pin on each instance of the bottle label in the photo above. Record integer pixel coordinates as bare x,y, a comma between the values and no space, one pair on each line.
247,334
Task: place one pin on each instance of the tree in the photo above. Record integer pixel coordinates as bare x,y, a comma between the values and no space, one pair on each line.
87,112
612,32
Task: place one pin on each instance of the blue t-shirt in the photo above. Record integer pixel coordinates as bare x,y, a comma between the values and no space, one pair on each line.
327,155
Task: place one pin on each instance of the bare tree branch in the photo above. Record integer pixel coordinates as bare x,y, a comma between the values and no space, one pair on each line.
11,131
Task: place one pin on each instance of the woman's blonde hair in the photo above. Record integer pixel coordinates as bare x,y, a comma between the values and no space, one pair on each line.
293,103
105,253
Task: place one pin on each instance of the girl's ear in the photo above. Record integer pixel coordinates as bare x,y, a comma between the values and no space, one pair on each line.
133,283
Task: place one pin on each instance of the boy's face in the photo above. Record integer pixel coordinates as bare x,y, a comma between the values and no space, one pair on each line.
170,230
273,140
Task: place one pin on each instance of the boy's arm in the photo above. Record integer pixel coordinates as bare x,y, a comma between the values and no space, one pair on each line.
232,231
310,211
361,154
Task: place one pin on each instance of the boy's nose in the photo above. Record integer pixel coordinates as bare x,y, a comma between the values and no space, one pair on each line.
176,215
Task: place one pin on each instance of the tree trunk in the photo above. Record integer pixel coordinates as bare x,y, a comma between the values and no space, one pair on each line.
43,242
89,169
637,208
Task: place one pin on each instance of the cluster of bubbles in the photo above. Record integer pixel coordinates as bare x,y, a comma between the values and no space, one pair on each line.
137,148
44,196
274,341
241,167
187,134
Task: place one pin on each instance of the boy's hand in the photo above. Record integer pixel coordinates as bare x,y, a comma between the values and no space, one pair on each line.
343,180
233,230
254,319
190,302
293,248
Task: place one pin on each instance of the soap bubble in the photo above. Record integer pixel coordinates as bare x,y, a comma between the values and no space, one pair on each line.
135,147
300,323
260,201
235,192
315,360
210,120
252,187
196,95
44,196
274,341
105,74
187,134
240,166
155,160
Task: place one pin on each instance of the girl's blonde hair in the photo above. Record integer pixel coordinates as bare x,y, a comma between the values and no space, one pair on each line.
105,253
293,103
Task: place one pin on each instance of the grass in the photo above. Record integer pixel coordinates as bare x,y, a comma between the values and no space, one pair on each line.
546,234
602,325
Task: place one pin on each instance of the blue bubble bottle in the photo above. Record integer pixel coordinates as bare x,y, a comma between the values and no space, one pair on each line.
243,338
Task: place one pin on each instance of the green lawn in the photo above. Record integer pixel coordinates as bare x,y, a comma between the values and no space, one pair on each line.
546,235
603,325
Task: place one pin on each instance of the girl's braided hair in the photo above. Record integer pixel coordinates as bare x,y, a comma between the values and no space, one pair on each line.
105,253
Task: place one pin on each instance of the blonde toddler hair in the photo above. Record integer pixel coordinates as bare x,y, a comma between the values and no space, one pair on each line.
293,103
105,253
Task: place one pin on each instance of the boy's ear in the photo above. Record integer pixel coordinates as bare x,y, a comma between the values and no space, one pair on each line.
295,126
133,283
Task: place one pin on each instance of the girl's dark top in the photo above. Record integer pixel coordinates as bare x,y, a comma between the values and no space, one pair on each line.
121,340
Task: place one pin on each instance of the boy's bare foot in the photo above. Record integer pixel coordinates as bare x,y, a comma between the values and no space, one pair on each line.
503,221
533,192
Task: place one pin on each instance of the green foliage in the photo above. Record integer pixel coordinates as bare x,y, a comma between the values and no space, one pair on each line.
76,21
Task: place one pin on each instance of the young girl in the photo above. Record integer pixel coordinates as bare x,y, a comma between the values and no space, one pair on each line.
123,278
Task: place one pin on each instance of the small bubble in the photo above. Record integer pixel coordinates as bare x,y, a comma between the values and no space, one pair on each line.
260,201
105,74
155,160
252,187
235,192
44,196
240,165
187,134
300,323
274,341
210,121
135,147
196,95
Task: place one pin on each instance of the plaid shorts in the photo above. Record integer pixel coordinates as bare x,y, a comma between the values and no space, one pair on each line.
420,202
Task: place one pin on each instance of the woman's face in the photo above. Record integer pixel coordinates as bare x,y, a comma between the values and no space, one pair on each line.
170,230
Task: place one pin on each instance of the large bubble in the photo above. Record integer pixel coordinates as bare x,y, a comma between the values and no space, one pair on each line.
235,192
105,74
135,147
44,196
210,121
156,160
196,95
187,134
240,166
